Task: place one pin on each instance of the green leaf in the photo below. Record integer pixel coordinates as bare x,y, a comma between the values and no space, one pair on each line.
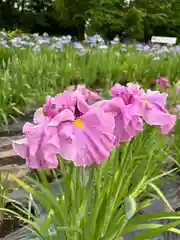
17,110
129,207
148,226
161,196
156,231
154,216
47,202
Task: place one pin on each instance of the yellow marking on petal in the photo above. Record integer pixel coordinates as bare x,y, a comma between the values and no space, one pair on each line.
78,123
145,101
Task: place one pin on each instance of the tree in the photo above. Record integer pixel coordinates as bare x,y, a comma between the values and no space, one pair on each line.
137,19
156,15
134,23
73,13
39,6
107,16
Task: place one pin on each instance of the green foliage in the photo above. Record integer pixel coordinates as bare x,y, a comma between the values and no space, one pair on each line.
74,12
134,22
5,55
4,188
138,19
103,202
26,77
107,16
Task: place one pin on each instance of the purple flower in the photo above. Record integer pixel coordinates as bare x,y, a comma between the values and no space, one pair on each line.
128,93
35,148
77,101
58,103
86,140
77,127
152,109
127,123
163,83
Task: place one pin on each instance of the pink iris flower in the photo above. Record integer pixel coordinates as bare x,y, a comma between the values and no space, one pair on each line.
87,94
86,140
128,93
152,109
76,101
40,117
127,123
35,147
163,83
56,104
69,126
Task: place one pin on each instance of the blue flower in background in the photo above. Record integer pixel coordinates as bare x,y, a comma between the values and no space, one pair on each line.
156,59
78,45
123,49
102,46
45,34
3,34
59,46
82,52
36,49
26,38
95,41
115,41
43,41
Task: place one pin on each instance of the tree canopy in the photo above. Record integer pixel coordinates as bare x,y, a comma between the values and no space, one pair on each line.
136,19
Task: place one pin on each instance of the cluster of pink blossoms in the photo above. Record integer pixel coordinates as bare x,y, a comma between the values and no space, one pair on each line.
82,127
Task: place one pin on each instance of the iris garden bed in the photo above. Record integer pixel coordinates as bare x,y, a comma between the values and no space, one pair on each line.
110,199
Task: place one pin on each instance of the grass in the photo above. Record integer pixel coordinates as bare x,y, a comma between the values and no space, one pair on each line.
27,76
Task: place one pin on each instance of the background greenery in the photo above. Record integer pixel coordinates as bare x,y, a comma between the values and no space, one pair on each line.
137,19
27,76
